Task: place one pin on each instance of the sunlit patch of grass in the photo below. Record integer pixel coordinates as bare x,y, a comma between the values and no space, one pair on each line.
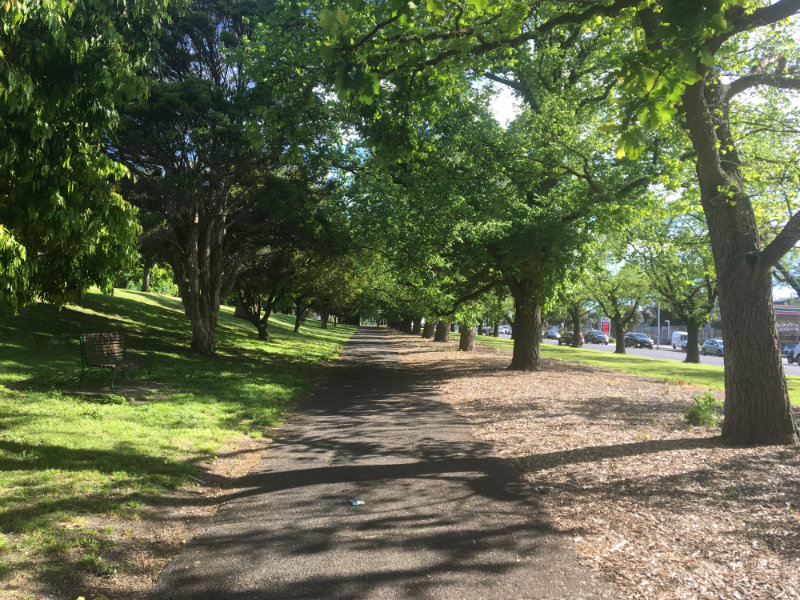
66,456
711,376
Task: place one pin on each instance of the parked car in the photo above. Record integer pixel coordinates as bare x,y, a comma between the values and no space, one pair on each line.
595,336
567,339
788,352
552,334
712,347
638,340
680,339
795,356
504,330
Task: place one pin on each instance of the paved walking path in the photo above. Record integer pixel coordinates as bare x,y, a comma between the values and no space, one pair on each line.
443,517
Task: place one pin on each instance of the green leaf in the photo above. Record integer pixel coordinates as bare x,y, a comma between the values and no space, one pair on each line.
436,7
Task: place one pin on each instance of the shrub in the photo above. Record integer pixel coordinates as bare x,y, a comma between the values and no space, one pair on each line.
704,411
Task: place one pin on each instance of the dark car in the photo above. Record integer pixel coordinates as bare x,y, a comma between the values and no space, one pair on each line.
595,336
638,340
567,339
552,334
788,352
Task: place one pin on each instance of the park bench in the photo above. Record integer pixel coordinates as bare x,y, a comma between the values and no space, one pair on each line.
107,351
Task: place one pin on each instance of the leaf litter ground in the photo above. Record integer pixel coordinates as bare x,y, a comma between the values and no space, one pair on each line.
663,510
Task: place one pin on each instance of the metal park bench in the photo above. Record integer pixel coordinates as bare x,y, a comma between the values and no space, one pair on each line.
107,351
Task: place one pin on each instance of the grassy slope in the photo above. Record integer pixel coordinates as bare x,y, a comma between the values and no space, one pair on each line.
62,456
706,375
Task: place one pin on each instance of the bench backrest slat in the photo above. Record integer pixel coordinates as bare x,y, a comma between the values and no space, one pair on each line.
101,348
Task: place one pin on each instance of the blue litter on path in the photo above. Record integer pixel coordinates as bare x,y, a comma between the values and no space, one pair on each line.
356,502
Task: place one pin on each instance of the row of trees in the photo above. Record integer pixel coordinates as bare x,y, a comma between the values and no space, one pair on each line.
248,173
622,100
157,132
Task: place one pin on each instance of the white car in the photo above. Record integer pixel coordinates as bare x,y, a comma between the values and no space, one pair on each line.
680,339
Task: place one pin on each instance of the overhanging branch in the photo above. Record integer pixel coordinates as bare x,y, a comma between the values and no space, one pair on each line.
783,242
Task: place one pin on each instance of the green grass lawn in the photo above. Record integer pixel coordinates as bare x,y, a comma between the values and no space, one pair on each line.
65,456
706,375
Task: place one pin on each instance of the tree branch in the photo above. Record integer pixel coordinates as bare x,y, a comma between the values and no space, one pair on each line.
371,34
752,80
517,85
765,15
782,243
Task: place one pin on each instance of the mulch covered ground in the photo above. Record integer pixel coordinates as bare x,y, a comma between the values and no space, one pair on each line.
662,509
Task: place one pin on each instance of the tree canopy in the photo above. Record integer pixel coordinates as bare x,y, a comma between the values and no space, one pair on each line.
342,152
65,68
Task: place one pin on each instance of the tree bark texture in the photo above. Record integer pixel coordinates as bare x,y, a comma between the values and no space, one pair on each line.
442,332
757,408
527,328
416,329
241,309
300,309
427,330
203,271
527,350
466,340
692,344
576,312
407,325
146,272
619,333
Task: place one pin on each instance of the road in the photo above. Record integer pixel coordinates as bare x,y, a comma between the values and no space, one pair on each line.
667,353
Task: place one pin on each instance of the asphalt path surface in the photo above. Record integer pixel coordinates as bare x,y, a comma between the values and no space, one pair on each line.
443,516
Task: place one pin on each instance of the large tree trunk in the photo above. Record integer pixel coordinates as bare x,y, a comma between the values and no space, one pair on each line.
527,329
692,345
527,350
757,409
466,340
442,332
203,335
427,330
619,333
204,275
203,315
324,316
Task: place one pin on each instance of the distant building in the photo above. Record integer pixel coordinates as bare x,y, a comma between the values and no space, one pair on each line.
787,315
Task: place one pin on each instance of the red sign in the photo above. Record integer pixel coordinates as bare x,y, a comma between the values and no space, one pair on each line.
605,326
